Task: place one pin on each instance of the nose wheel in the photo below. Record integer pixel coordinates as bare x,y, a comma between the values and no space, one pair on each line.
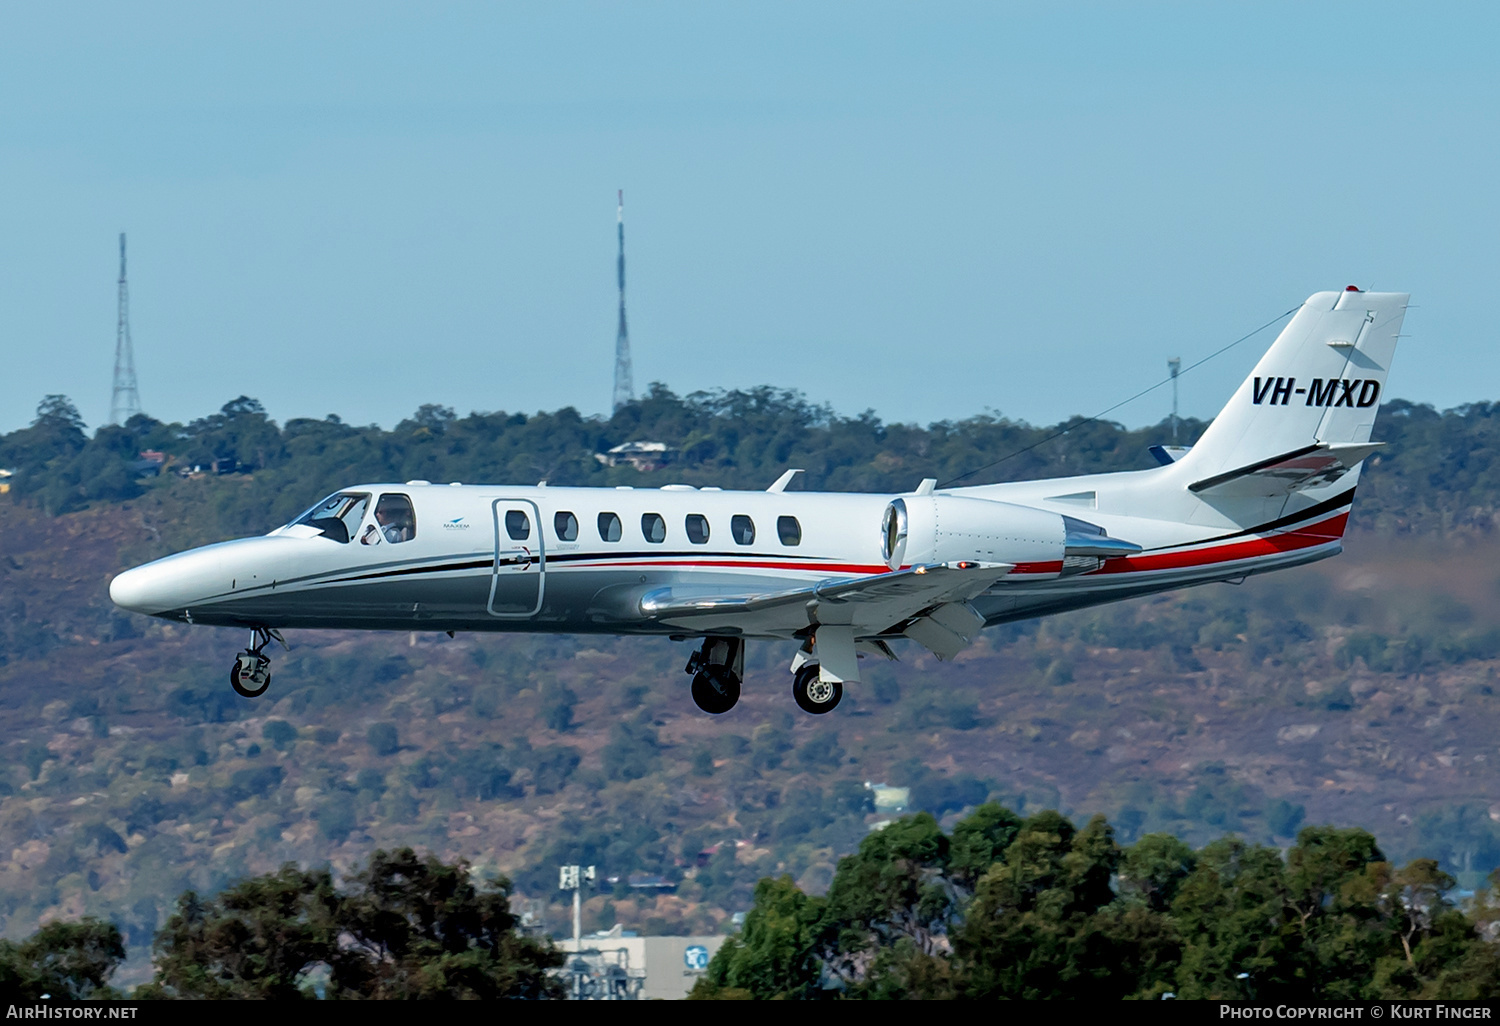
813,694
717,669
250,675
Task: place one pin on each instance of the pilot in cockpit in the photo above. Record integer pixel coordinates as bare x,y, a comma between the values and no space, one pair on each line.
396,520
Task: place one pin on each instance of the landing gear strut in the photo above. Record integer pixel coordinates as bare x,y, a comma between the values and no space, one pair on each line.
717,670
813,694
251,673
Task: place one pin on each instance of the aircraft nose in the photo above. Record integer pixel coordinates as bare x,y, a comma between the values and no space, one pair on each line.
142,590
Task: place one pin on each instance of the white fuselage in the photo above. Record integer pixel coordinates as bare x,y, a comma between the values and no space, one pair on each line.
1268,485
463,571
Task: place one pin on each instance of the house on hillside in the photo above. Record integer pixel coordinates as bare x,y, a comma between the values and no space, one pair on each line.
5,476
888,798
150,464
643,456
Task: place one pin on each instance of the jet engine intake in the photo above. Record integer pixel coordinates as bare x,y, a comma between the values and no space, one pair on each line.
949,528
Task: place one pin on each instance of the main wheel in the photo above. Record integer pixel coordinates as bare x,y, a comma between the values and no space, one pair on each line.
715,689
250,676
814,695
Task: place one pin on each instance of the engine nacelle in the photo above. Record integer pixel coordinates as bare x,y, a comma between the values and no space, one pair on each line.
948,528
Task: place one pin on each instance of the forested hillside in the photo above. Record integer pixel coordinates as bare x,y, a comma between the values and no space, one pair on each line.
1358,692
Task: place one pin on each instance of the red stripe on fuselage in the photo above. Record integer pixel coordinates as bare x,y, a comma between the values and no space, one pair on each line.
1320,533
1053,566
844,568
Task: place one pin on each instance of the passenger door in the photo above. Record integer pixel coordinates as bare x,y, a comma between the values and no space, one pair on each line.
518,582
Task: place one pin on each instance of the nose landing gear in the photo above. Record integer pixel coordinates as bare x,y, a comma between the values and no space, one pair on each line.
251,673
717,669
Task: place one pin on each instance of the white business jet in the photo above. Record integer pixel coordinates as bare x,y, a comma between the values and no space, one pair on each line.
1268,486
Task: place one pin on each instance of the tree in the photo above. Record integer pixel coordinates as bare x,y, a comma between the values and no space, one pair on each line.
404,927
279,732
420,928
980,840
1232,914
1044,922
66,961
890,904
383,738
258,939
775,955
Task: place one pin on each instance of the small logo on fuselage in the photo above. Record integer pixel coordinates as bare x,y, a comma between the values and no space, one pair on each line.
1360,392
456,524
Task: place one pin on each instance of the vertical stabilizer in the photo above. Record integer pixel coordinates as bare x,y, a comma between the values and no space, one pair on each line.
1319,384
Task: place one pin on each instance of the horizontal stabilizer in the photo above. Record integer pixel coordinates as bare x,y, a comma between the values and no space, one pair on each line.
1308,467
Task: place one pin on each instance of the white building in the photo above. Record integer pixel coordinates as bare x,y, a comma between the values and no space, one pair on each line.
615,967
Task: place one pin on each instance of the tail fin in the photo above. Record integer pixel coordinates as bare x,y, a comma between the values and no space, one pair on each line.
1313,397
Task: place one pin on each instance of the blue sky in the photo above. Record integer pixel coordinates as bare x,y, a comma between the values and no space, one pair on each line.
929,210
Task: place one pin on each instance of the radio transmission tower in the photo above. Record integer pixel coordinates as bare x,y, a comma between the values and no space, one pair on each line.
624,388
126,402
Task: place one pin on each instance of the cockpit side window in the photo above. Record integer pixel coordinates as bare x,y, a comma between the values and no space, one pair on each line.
396,518
337,516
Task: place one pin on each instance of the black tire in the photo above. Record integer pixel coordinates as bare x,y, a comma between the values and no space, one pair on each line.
813,695
240,689
715,690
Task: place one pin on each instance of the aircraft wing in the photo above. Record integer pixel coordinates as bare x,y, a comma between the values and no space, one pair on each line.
871,605
1307,467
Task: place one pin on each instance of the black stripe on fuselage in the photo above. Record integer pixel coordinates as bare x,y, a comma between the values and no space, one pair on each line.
578,557
1290,520
330,576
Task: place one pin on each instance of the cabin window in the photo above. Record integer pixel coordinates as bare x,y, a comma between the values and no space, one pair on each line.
742,529
566,526
697,528
609,527
654,528
337,516
789,530
395,521
517,525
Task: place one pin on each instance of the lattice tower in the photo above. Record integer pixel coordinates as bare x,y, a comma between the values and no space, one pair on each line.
126,401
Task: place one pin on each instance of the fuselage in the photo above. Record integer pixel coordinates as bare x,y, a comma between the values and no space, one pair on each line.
480,558
1268,485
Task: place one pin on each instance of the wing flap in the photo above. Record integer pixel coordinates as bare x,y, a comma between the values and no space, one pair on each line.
868,604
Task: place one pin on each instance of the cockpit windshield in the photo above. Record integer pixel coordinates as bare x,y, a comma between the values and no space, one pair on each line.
337,516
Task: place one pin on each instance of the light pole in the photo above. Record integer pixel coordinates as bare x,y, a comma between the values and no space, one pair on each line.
572,878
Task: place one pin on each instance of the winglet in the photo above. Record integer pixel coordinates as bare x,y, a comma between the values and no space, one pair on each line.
784,480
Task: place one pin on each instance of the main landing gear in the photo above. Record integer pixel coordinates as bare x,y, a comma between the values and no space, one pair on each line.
717,669
251,673
813,694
